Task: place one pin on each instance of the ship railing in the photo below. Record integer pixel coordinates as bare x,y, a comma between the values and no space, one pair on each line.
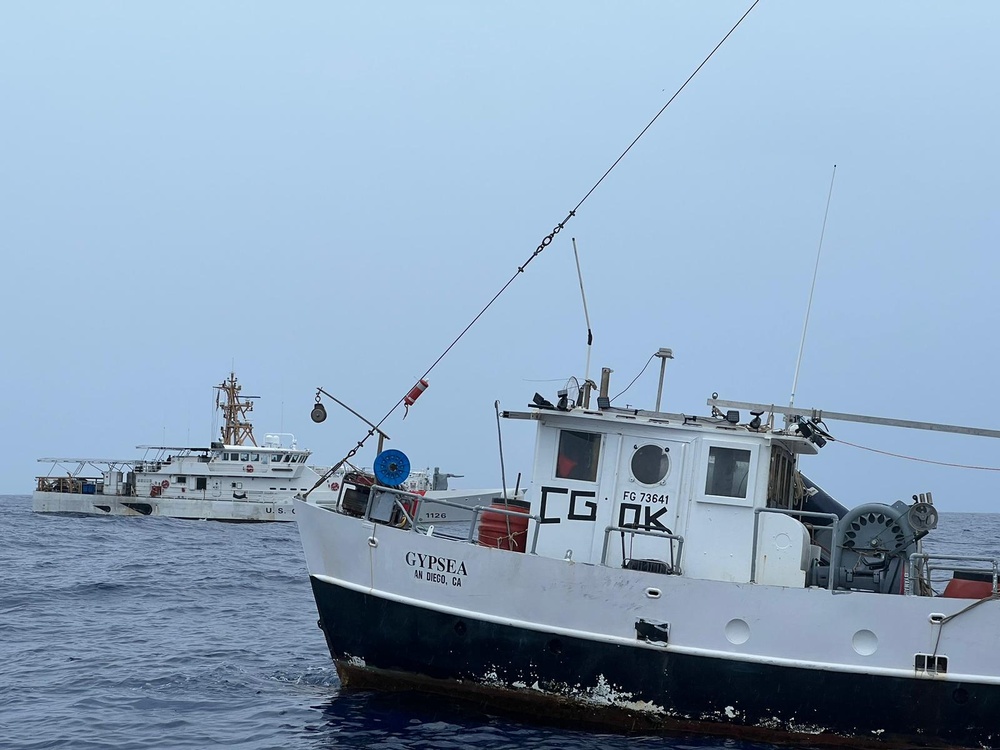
671,566
834,549
922,566
75,485
397,507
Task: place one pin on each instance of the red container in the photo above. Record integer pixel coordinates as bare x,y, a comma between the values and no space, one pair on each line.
970,584
504,530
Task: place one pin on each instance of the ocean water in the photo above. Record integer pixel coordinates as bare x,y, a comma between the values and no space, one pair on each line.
125,633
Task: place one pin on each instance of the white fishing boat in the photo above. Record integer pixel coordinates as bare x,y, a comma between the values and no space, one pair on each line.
233,479
668,572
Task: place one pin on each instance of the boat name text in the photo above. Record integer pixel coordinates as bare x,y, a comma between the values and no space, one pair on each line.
434,569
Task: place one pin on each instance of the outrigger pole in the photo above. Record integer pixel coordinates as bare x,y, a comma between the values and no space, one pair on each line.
819,415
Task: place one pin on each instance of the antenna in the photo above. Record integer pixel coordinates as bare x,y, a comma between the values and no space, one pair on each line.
805,324
503,471
590,333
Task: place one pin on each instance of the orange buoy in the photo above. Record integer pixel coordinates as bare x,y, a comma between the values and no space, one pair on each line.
504,530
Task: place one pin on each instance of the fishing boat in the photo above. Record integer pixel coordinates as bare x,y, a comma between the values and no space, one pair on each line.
667,572
232,479
670,572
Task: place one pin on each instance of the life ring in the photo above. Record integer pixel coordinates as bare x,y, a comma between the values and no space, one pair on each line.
334,486
164,484
154,491
249,468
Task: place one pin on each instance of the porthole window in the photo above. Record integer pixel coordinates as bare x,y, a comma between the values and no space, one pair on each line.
650,464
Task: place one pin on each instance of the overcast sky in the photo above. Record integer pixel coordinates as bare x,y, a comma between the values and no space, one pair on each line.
325,194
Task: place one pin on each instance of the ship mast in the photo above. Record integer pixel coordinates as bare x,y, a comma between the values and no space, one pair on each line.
237,429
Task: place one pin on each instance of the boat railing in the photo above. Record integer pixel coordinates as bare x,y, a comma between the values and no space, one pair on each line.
673,566
922,565
75,485
798,515
403,509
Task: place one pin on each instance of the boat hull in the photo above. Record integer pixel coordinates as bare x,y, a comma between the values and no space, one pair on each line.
379,643
165,507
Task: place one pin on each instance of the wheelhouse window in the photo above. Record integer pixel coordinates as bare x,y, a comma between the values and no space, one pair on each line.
578,455
728,472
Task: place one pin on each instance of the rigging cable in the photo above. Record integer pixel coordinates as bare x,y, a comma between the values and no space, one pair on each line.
637,376
920,460
544,243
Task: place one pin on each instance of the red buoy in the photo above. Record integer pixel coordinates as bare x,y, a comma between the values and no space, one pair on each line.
415,392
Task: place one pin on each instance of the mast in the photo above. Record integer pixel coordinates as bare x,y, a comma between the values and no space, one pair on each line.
237,429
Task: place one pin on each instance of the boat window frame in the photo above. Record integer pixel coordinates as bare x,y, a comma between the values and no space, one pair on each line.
588,459
708,444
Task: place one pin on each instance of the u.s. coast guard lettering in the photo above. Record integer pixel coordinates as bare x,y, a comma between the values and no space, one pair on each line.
434,569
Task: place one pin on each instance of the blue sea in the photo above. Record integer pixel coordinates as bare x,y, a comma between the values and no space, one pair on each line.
124,633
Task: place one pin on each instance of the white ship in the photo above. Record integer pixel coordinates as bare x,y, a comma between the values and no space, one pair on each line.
233,479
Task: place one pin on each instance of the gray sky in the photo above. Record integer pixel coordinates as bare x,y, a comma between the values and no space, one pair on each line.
325,194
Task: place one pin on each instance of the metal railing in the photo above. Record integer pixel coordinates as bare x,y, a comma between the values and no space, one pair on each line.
406,507
919,568
675,557
834,548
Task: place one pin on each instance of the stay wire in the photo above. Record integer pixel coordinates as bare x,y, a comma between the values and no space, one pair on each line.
915,458
669,102
546,241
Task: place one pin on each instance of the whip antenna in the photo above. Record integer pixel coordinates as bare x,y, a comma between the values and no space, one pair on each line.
805,324
590,333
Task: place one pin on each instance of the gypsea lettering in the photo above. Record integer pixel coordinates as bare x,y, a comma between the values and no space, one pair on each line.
433,569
